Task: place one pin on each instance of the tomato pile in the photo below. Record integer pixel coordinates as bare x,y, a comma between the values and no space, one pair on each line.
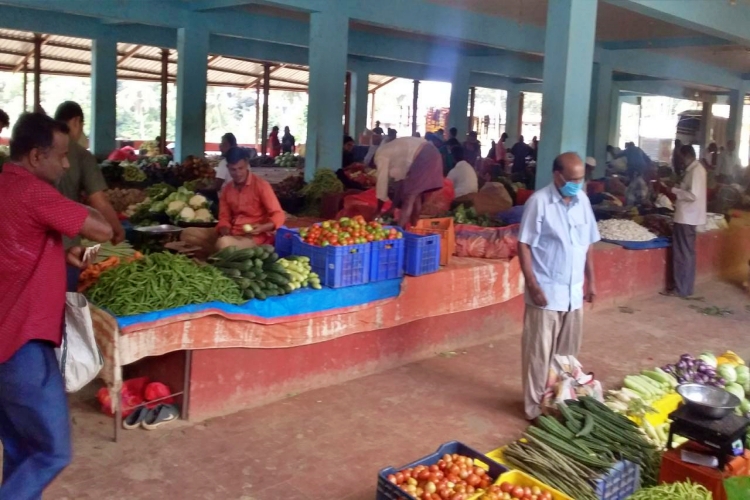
508,491
454,477
347,231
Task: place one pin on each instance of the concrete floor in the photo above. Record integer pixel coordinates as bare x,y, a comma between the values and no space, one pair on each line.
330,443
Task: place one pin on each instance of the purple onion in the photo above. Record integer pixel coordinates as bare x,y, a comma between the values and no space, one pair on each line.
681,379
721,382
682,365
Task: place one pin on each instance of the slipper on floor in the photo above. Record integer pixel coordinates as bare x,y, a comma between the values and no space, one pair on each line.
162,414
135,419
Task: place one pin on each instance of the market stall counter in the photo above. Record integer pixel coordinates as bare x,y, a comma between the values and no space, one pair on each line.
241,360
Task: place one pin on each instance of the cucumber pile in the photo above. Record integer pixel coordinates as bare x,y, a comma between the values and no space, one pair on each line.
300,273
260,273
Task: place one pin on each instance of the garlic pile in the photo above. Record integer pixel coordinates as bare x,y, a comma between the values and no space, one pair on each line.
624,230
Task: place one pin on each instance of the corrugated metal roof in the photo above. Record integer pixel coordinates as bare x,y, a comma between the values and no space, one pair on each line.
72,56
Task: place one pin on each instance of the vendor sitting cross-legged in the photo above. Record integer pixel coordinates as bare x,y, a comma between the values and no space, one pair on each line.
249,211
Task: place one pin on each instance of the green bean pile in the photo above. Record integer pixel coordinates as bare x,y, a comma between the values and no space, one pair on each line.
674,491
161,281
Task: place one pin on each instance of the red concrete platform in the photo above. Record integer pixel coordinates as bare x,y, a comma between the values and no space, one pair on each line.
227,380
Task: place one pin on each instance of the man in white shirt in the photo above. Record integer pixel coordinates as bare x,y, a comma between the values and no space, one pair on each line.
228,141
690,212
463,175
729,162
555,241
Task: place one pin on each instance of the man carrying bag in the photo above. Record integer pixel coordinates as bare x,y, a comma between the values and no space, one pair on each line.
34,421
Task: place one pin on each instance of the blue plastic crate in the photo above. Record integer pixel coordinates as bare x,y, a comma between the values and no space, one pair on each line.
422,254
622,480
283,240
389,491
337,266
387,259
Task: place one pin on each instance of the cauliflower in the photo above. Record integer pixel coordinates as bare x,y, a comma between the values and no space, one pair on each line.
198,201
187,214
203,215
174,207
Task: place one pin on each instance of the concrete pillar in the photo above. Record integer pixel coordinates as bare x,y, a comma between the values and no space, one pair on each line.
459,103
329,41
358,102
192,76
705,132
568,63
472,102
103,94
736,105
614,117
599,116
513,116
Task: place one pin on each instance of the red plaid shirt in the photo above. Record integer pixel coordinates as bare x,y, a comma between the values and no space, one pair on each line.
34,217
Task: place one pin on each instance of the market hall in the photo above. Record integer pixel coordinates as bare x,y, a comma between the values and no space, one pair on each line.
282,319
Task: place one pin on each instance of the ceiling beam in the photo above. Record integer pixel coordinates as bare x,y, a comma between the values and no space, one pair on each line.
722,19
204,5
128,54
383,84
676,42
19,66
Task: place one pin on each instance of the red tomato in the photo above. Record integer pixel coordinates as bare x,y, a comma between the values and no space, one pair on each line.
473,479
506,487
517,492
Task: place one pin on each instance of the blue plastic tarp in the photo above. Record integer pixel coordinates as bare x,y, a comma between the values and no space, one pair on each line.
302,302
643,245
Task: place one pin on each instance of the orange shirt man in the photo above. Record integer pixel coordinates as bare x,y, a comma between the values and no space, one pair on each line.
246,200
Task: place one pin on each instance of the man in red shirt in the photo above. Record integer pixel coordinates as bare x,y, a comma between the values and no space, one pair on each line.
34,423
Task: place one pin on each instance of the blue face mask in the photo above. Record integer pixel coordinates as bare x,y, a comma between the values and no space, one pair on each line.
571,189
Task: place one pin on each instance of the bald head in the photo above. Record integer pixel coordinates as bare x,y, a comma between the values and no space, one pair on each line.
570,166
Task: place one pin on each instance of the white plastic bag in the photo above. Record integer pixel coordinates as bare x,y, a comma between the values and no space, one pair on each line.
567,380
79,356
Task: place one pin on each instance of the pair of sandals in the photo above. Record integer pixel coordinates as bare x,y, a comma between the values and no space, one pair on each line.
151,418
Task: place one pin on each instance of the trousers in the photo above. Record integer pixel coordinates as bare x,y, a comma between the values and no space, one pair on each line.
34,422
546,334
683,259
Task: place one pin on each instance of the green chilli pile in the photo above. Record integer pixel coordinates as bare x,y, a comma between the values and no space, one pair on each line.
324,182
571,453
161,281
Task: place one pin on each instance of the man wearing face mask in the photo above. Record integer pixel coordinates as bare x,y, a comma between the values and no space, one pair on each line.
555,242
83,178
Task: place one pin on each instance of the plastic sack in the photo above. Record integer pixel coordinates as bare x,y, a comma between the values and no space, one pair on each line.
364,204
567,380
487,242
131,396
79,357
439,202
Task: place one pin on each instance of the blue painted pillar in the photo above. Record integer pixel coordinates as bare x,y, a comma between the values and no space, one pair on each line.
358,102
103,94
568,63
736,105
329,40
614,117
600,113
459,104
192,76
513,116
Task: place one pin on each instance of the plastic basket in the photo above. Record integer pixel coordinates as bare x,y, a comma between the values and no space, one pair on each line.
622,480
444,228
389,491
387,259
518,478
422,254
337,266
283,240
